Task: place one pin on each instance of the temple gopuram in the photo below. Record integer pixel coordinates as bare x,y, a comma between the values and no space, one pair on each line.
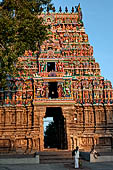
63,81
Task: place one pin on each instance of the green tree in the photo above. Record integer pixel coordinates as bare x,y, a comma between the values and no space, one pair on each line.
21,29
50,136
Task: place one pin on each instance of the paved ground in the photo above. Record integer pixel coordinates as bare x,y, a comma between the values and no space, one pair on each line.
99,165
33,167
85,166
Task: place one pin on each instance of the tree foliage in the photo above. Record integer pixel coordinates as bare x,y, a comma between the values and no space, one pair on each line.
50,136
21,29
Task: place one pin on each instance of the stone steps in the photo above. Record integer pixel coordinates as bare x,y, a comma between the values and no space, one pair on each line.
55,157
45,157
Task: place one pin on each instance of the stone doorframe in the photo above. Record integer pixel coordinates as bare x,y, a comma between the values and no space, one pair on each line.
39,114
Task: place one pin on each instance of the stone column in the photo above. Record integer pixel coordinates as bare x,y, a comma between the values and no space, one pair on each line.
68,111
39,113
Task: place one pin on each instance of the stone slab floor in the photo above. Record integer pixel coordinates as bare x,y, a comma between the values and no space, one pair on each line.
85,166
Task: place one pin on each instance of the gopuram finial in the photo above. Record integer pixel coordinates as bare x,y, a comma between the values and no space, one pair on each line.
54,9
66,9
78,9
47,9
41,9
60,9
72,9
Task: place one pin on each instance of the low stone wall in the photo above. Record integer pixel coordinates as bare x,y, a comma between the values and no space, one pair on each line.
13,161
92,158
106,158
85,155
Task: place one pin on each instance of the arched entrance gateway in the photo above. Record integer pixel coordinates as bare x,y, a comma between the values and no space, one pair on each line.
60,114
57,117
54,128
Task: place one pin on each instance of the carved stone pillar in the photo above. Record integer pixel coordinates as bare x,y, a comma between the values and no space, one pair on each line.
39,113
68,115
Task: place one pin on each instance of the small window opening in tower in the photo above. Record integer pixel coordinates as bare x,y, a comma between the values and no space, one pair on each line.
53,90
50,48
50,66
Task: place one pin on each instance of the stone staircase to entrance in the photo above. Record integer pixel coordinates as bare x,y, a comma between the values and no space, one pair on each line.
47,157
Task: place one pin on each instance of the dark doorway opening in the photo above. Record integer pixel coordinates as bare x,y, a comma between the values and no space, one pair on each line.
55,131
50,66
53,90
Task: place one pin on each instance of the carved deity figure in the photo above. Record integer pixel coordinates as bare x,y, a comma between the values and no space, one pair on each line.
43,66
39,89
43,90
60,91
91,51
59,66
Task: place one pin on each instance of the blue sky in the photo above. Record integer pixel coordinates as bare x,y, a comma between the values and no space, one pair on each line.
98,23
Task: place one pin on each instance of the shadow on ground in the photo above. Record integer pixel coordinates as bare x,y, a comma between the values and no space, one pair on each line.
71,167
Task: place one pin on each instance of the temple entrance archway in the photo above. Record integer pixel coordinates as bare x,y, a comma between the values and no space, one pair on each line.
54,129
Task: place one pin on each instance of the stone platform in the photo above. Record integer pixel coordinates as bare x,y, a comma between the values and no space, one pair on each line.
18,159
103,156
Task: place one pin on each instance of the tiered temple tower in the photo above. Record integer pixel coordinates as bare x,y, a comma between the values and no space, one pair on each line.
63,82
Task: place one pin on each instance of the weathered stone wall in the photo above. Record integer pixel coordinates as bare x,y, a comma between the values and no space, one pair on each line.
21,128
17,129
92,127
